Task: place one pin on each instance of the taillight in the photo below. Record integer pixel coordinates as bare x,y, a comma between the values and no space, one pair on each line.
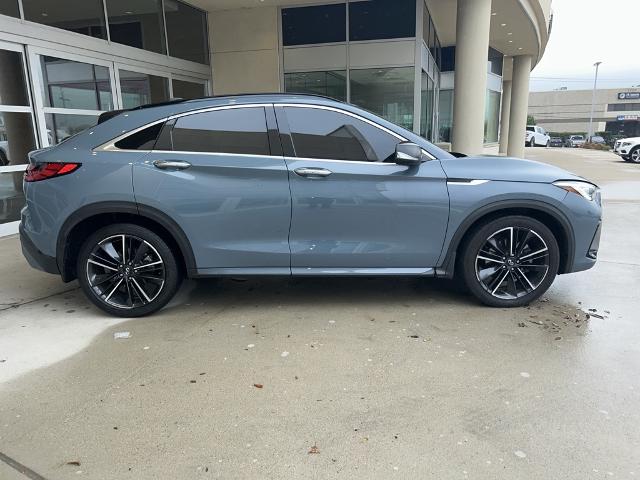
43,171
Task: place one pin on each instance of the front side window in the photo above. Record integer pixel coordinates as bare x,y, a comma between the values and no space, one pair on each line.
235,130
331,135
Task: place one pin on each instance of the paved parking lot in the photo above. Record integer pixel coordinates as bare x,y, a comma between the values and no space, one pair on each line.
333,378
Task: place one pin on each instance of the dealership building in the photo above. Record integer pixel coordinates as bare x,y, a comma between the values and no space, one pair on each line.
454,71
615,110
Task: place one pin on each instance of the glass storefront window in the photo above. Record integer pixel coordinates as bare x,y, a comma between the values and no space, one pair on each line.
62,126
11,196
86,17
9,7
141,89
13,85
16,138
70,84
495,59
387,92
331,84
315,24
188,90
187,31
426,104
492,116
137,23
381,19
445,112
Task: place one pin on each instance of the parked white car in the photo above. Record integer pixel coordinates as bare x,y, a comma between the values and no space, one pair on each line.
628,149
536,137
575,141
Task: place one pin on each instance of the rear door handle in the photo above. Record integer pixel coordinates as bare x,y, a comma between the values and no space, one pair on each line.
171,164
313,172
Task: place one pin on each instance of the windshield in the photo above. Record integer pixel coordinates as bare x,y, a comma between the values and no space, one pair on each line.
577,137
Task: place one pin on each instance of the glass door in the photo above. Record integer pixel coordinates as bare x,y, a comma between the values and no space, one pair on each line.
17,133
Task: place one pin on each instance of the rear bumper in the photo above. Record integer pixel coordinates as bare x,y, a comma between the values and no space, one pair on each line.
35,257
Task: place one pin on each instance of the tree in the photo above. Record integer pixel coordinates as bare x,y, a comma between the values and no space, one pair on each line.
531,120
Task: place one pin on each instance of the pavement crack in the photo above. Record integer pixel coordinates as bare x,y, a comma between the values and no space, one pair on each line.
8,306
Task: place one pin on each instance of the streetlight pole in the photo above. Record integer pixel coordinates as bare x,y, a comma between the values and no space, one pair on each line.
593,101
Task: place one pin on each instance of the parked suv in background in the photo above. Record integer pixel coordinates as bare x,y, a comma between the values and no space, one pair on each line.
575,141
537,137
628,149
293,185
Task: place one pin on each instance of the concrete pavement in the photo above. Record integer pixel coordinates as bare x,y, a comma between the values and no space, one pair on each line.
384,378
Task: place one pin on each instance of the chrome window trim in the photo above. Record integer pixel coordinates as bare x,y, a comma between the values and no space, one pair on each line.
468,183
110,145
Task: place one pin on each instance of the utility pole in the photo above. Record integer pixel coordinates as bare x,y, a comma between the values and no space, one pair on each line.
593,102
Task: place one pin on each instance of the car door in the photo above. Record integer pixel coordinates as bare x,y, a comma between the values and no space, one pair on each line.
354,209
221,178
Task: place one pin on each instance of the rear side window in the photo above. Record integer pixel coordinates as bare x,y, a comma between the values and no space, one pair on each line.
145,139
531,129
326,134
236,130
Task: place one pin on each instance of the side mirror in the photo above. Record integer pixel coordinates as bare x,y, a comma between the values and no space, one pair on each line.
409,154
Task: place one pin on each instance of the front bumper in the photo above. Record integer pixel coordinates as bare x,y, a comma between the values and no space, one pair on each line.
35,257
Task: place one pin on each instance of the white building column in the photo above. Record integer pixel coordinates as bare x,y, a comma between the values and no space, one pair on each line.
505,115
519,105
470,84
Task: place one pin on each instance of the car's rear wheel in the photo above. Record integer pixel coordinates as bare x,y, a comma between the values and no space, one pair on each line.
634,155
532,143
127,270
510,261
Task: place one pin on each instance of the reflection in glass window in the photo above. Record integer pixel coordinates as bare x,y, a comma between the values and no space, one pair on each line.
137,23
62,126
13,86
330,84
188,90
16,138
380,19
86,16
492,116
426,106
318,133
69,84
141,89
237,130
315,24
11,196
187,31
9,7
445,112
387,92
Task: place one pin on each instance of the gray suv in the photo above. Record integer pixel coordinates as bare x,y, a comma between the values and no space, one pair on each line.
288,184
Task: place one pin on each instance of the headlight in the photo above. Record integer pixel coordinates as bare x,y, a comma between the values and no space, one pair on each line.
585,189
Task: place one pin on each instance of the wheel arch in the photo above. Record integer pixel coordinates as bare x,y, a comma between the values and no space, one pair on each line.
549,215
91,217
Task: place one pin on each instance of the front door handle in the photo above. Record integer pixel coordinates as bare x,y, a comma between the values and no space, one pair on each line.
171,164
313,172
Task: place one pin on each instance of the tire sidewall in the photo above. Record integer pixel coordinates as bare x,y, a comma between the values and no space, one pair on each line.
636,149
477,240
172,272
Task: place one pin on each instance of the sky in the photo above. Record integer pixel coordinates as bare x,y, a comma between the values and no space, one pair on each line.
585,32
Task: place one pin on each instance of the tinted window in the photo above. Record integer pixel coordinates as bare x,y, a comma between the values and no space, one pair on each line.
330,84
9,7
137,23
237,130
13,85
187,31
531,129
86,17
379,19
141,88
188,90
332,135
143,140
317,24
495,59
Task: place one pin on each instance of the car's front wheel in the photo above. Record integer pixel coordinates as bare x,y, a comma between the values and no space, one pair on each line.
634,155
127,270
510,261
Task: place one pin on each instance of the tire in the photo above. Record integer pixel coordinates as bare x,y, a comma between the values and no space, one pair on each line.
634,155
124,289
4,161
548,143
532,143
524,280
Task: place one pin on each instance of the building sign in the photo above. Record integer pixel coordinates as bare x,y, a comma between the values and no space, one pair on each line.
629,96
622,118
